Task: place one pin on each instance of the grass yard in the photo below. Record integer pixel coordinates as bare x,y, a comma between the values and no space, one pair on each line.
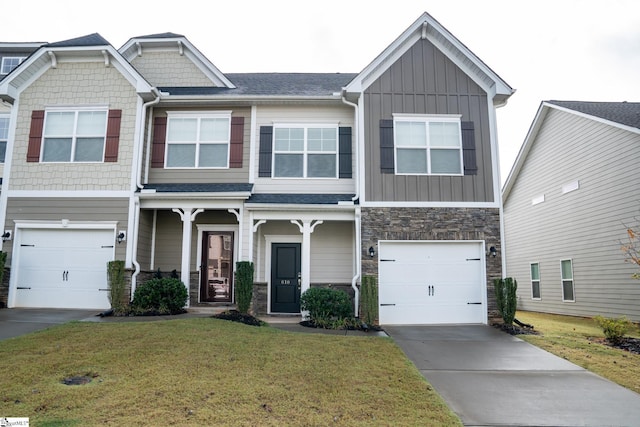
197,372
573,339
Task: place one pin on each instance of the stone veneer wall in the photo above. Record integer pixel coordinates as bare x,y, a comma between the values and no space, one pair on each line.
433,224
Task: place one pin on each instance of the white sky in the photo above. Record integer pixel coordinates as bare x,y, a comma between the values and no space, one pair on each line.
571,50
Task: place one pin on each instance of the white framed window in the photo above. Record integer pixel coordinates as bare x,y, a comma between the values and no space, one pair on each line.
74,135
9,63
535,280
4,136
305,151
198,140
566,273
428,145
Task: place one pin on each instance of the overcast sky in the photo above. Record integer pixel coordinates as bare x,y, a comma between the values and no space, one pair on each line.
572,50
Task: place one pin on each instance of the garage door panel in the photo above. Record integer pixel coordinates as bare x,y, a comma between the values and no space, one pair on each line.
63,268
431,283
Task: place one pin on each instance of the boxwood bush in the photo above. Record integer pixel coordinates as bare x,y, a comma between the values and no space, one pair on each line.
160,296
326,306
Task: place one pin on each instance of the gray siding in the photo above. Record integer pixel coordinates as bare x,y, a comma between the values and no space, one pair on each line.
73,209
425,81
231,175
586,225
145,234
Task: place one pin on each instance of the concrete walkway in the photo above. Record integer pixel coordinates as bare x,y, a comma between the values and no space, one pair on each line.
489,378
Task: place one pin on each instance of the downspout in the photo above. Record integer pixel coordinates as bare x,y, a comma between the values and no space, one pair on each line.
136,200
357,244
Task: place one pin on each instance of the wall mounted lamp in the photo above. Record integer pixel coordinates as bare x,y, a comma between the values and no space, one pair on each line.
6,236
121,236
372,251
493,251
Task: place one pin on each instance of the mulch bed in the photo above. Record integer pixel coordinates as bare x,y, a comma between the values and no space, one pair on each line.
236,316
514,329
632,345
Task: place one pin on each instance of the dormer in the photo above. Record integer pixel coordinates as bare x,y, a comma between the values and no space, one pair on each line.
170,60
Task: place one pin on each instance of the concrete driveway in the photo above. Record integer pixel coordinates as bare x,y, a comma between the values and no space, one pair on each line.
490,378
20,321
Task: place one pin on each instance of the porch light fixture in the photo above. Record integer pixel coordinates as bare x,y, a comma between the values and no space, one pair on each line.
493,251
372,251
6,236
121,236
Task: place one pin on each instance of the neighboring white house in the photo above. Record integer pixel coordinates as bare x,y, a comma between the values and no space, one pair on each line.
572,192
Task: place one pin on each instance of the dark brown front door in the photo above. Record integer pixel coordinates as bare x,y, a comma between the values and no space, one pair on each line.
285,277
216,278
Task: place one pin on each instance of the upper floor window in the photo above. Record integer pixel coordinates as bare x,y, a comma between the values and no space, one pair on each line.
9,63
74,136
428,145
4,136
301,151
198,140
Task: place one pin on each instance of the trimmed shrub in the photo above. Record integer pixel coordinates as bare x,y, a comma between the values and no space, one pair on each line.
3,261
369,300
327,307
160,296
505,290
614,329
244,285
115,276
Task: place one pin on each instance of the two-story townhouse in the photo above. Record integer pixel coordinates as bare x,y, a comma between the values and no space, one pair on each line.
316,178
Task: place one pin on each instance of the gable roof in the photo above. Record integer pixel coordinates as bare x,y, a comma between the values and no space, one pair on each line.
426,27
92,47
623,115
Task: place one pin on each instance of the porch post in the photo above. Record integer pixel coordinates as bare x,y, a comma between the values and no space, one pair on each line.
306,228
187,215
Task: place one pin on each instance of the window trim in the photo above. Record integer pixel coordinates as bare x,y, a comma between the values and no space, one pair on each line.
75,110
199,115
572,280
531,264
426,119
4,59
305,153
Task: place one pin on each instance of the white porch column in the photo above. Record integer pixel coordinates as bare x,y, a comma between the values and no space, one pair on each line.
306,228
187,215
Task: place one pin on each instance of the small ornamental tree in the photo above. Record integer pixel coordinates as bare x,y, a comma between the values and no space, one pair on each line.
505,290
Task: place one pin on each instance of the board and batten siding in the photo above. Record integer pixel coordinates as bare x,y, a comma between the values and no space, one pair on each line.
425,81
77,84
74,209
159,175
586,225
341,115
170,69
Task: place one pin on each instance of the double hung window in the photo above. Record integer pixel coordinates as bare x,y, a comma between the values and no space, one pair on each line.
74,136
305,151
4,136
428,145
198,140
535,280
566,270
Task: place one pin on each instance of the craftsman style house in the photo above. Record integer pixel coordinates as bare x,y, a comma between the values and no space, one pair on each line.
568,201
152,155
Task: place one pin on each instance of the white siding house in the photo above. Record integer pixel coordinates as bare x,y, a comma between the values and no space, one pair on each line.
568,200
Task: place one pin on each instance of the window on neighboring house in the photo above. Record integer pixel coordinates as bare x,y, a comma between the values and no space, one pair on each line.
305,151
74,136
566,267
4,136
9,63
535,280
198,141
430,145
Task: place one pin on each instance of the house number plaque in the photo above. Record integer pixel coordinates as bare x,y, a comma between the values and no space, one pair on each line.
285,282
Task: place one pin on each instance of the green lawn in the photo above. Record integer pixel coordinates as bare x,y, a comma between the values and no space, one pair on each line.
197,372
579,340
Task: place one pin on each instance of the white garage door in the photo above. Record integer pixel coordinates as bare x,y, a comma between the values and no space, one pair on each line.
63,268
431,283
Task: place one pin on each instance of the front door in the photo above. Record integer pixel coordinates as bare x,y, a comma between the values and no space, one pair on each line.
285,278
216,278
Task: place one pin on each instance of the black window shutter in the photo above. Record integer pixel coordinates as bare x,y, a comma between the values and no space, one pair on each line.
266,141
386,146
345,151
469,148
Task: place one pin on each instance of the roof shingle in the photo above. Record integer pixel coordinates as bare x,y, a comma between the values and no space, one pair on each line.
625,113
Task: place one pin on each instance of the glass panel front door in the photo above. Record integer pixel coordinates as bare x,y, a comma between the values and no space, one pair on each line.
217,267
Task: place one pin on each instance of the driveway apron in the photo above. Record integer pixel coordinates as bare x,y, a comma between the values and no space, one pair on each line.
490,378
19,321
